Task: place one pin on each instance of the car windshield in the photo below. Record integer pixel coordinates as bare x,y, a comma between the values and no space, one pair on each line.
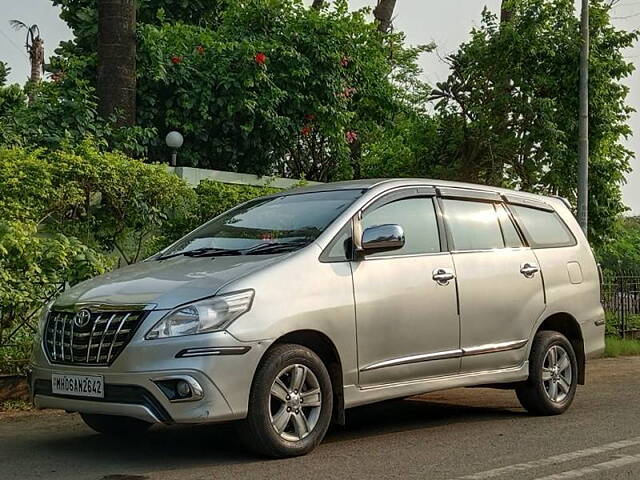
267,225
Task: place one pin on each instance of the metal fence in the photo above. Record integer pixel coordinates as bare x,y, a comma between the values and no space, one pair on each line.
17,321
621,301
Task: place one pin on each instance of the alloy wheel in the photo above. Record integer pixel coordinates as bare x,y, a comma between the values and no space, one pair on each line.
557,374
295,402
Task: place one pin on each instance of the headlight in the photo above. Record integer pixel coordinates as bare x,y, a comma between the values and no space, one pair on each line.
208,315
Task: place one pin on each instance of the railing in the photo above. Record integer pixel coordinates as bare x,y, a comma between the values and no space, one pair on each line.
621,301
17,322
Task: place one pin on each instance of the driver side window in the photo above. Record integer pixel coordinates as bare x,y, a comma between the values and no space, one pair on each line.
416,216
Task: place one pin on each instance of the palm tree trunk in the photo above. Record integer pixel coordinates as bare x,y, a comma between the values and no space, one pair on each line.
116,86
383,14
36,55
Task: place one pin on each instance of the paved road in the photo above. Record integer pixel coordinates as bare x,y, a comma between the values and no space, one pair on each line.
461,434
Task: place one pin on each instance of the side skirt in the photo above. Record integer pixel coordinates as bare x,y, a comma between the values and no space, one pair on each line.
355,396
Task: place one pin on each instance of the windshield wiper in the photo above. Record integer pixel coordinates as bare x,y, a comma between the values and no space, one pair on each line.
274,247
202,252
260,248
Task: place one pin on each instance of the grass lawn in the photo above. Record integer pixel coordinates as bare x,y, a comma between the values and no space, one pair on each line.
616,347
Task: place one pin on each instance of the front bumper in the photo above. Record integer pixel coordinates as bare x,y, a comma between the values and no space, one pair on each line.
130,390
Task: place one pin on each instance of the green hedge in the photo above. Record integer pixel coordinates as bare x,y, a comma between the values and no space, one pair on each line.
71,214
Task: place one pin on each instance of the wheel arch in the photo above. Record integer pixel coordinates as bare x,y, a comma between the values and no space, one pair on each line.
325,348
567,325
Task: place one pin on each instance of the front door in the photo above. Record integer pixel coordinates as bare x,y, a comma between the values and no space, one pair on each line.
407,321
499,284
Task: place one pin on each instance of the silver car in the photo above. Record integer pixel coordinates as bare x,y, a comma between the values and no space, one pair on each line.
287,310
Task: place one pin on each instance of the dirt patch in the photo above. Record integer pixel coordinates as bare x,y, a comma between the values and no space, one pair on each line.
13,387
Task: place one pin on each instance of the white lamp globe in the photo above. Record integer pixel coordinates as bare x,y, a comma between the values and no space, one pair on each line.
174,140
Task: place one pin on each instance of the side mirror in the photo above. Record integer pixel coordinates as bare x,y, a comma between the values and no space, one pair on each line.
382,238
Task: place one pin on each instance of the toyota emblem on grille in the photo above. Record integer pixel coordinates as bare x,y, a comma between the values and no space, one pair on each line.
82,318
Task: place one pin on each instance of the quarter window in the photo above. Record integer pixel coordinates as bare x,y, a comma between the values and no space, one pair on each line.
417,218
543,228
473,225
509,232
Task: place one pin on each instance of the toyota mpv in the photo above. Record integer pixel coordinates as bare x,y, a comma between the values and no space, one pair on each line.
289,309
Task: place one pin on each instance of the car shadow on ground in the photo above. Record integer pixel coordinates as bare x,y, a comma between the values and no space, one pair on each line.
176,447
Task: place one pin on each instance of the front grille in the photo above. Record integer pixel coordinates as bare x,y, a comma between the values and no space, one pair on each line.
98,343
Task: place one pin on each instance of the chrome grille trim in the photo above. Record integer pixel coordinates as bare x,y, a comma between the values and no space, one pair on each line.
98,343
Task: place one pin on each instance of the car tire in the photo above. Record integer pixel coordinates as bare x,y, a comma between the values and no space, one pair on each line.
114,425
290,403
553,375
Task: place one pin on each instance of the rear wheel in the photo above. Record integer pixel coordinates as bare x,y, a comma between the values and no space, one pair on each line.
115,425
290,404
553,375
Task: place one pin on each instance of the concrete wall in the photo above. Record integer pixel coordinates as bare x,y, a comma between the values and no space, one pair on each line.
194,176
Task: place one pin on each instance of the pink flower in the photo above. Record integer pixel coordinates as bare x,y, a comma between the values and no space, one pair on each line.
305,131
176,59
351,136
260,58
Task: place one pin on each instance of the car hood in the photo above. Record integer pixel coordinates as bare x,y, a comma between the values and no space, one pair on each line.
165,283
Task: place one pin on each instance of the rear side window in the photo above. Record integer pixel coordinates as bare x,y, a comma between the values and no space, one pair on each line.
473,225
543,228
416,216
511,237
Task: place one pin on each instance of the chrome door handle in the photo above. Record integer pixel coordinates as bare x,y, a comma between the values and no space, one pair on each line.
529,269
443,276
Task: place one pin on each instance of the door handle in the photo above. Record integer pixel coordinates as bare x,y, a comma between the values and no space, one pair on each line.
443,276
529,269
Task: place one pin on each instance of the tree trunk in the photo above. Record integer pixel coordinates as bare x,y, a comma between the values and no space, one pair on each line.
505,11
317,4
36,55
383,14
583,121
116,85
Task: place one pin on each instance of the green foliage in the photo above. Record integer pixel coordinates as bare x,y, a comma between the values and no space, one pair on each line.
322,75
617,347
259,86
4,73
510,105
623,251
67,215
63,112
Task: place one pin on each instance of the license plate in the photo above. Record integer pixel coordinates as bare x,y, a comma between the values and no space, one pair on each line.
78,385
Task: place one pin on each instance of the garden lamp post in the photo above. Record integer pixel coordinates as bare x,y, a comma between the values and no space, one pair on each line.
174,141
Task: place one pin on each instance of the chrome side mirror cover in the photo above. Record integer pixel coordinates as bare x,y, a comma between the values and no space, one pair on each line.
382,238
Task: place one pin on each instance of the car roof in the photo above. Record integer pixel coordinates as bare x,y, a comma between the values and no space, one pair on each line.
370,183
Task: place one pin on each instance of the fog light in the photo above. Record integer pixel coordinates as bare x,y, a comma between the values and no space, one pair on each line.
180,388
183,389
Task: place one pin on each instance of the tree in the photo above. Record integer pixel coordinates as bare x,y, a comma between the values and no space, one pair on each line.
35,48
4,73
116,81
383,14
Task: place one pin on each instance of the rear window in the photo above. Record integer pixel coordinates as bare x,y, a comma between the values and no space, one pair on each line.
543,228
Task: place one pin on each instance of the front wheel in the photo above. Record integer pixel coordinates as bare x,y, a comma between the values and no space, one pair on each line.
553,375
114,425
290,405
